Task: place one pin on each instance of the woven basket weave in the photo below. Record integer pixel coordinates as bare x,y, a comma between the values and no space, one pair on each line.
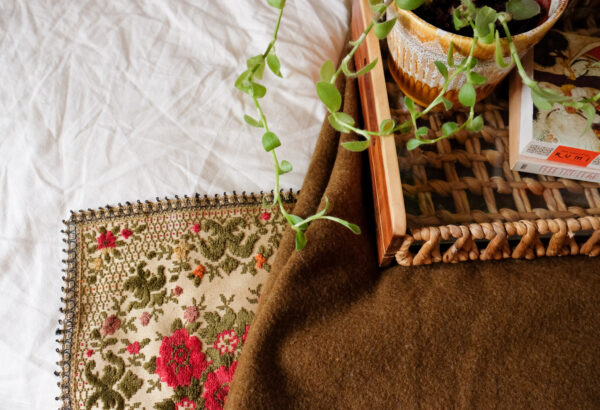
461,200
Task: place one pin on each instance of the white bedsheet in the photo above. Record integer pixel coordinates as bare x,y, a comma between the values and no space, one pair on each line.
104,102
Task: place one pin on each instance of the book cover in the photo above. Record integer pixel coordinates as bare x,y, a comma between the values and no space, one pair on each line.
567,63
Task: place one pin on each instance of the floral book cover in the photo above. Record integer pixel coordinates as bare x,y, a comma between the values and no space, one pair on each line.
557,141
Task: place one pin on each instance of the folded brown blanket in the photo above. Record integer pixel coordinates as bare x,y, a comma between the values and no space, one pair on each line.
334,331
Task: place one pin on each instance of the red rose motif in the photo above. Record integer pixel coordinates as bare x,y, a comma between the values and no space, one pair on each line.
126,233
265,216
177,290
180,359
226,341
89,353
195,227
111,325
245,333
134,348
106,240
216,387
185,404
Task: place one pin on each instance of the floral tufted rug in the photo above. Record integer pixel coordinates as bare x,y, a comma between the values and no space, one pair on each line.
159,298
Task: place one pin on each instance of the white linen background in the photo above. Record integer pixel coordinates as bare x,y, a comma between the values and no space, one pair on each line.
103,102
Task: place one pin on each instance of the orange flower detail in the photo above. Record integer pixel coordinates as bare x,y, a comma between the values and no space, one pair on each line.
260,260
199,271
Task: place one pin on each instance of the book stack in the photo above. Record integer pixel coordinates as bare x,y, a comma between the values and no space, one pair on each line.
557,141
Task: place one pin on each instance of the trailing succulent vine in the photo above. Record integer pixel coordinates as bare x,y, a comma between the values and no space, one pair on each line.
485,23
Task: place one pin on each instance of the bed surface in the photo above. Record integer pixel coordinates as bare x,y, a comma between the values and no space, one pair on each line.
107,102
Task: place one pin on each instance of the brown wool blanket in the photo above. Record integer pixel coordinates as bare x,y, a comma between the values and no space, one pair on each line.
334,331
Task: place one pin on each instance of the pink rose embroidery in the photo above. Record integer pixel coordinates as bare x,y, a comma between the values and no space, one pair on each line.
216,387
177,290
111,325
106,240
126,233
226,341
134,348
145,319
265,216
180,359
191,314
195,228
89,353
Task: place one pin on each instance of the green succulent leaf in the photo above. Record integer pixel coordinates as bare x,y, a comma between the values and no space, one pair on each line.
257,90
327,71
414,143
330,95
381,30
476,124
540,101
256,63
242,83
354,228
270,141
295,220
442,69
251,121
278,4
459,20
300,240
340,121
451,55
498,53
476,79
409,4
285,166
467,95
360,72
523,9
356,146
484,21
421,131
387,126
274,64
447,103
449,128
377,6
410,104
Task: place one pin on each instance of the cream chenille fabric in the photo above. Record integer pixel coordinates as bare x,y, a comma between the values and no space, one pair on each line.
103,102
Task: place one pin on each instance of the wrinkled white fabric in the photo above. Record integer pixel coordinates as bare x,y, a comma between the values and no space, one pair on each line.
104,102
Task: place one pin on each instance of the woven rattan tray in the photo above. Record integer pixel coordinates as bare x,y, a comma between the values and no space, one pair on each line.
458,200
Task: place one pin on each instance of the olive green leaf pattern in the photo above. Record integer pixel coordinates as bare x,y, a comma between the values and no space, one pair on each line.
143,280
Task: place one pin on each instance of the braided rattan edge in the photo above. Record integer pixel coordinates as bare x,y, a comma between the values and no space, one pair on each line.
561,234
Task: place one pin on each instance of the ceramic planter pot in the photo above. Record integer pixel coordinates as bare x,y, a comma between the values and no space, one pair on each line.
415,45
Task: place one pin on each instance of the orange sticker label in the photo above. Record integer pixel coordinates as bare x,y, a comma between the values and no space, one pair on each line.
572,156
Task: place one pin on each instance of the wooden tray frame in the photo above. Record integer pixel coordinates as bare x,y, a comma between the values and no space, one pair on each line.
505,233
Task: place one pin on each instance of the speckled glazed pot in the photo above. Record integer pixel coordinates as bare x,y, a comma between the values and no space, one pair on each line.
415,45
